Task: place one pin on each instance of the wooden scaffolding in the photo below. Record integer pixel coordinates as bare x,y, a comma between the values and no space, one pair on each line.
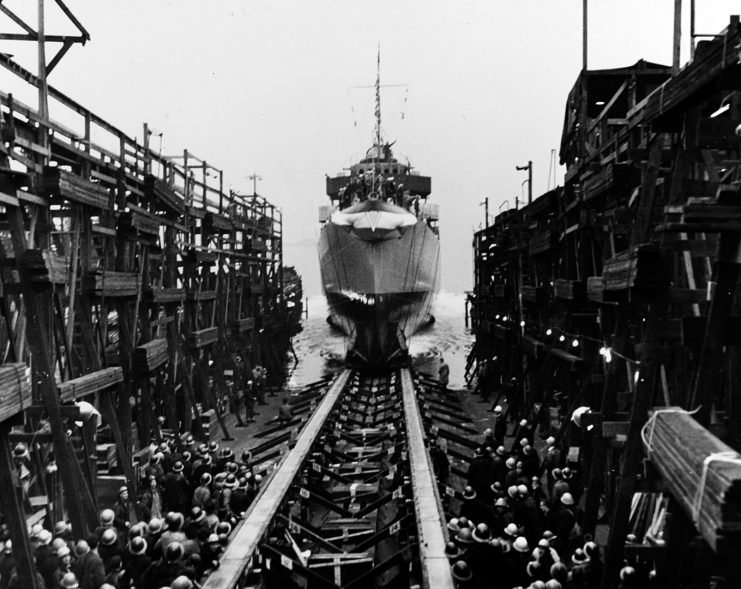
619,292
131,281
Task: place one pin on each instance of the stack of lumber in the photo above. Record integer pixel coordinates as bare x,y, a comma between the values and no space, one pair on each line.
201,295
80,387
45,266
243,325
106,283
138,220
167,295
210,424
541,242
639,271
161,193
606,178
533,294
218,223
572,290
107,458
203,337
60,183
150,356
15,389
706,483
595,289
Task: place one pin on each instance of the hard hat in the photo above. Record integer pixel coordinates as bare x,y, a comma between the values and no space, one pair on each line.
567,499
107,516
181,582
109,537
69,581
45,536
174,551
138,545
452,551
520,544
464,536
461,571
579,557
155,525
481,533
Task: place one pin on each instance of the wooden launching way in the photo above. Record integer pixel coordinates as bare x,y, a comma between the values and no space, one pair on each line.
129,279
620,292
353,503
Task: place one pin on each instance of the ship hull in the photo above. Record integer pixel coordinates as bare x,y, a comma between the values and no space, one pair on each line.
380,292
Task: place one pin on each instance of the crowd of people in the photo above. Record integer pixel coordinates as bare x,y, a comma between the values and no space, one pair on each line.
171,535
519,524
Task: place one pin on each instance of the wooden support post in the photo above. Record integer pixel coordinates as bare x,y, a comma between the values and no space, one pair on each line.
11,503
202,369
585,36
118,430
708,377
677,35
79,500
596,475
633,452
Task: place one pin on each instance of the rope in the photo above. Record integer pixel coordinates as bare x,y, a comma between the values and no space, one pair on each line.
651,424
728,457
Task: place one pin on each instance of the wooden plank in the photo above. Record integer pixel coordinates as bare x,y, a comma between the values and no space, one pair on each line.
108,283
257,520
150,356
436,571
8,200
15,389
63,184
88,384
614,429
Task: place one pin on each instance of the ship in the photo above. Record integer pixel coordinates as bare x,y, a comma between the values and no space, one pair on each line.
379,253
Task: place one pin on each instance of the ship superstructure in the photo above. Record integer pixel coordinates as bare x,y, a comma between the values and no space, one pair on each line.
379,252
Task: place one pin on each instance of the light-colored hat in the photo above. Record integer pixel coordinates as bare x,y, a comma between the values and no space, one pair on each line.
520,544
69,581
579,557
567,499
60,527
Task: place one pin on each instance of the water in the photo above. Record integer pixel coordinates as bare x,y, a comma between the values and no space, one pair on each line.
320,349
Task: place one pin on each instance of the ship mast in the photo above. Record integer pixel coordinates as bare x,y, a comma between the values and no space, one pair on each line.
378,98
377,155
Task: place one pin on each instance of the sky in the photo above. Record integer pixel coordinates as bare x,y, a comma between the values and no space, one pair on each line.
274,87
